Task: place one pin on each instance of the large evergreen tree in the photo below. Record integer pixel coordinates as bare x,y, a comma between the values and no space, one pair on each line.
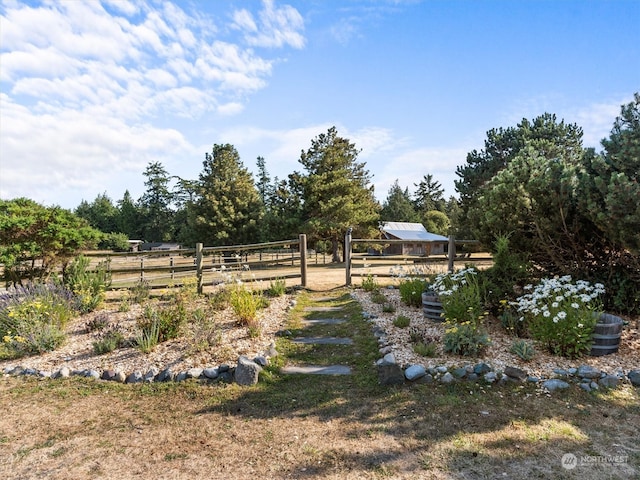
227,209
429,195
398,206
502,145
155,204
128,218
609,187
336,190
101,214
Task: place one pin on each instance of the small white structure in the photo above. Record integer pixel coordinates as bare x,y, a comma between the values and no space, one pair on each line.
418,241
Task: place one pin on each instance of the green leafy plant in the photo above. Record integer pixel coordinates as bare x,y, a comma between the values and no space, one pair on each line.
33,318
140,291
220,299
411,291
388,307
461,296
88,285
523,349
110,339
402,321
378,297
169,319
277,287
245,304
98,322
465,339
562,313
513,323
370,283
148,338
429,349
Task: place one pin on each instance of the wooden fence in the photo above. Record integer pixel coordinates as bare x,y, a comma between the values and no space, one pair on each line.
361,264
286,259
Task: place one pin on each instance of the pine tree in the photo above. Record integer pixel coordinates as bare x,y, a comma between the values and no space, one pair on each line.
228,207
336,190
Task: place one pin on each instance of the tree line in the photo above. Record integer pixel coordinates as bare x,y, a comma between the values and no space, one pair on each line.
226,205
565,208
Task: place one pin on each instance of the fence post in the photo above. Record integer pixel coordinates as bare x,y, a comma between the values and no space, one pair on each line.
347,255
303,259
171,265
141,269
452,253
199,268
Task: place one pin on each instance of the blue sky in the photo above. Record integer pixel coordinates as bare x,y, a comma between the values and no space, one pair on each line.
92,91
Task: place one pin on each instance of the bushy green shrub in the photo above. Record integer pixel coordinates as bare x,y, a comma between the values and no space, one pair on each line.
378,297
117,242
88,285
140,291
411,291
33,318
461,296
426,349
465,339
245,304
523,349
109,339
561,314
220,299
149,337
277,287
168,319
370,283
402,321
503,281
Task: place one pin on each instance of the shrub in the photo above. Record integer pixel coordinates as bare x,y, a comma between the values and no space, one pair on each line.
117,242
426,349
220,299
523,349
149,337
402,321
168,320
513,323
88,285
461,296
99,322
277,287
245,304
562,314
388,308
504,280
33,318
370,283
140,291
378,297
465,339
411,291
108,341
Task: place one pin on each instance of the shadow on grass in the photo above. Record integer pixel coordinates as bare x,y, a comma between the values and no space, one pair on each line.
468,430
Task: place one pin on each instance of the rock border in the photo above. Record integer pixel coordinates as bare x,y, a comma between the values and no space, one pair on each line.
245,372
587,377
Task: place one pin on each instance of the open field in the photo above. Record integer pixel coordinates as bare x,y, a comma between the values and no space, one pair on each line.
295,426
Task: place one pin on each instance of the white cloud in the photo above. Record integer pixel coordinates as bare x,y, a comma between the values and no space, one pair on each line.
92,89
276,27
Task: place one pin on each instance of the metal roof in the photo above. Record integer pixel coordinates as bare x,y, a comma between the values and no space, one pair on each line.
410,231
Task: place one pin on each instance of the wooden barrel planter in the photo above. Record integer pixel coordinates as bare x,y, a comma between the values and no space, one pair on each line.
431,307
606,335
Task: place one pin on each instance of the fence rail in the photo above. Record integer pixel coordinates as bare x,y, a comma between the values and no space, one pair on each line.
286,259
363,264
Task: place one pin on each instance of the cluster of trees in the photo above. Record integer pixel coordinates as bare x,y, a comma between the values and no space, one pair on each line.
565,208
227,206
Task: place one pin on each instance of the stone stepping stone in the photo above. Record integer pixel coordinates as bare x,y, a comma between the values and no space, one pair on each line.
322,309
323,321
318,370
323,341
